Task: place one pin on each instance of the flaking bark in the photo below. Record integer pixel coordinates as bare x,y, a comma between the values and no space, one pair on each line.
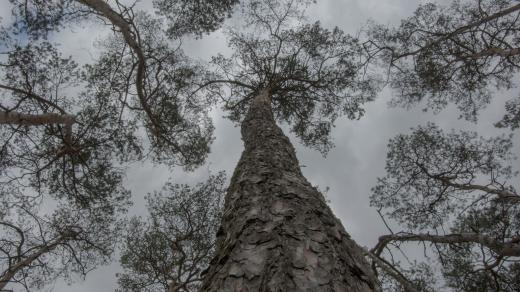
277,232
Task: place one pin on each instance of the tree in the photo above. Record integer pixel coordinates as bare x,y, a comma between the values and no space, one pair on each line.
452,54
37,249
452,192
168,250
68,130
54,181
277,232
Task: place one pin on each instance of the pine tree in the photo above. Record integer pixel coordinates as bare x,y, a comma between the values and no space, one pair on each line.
277,232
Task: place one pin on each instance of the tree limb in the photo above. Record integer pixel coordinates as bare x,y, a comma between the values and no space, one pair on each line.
462,29
510,248
17,118
35,97
11,272
392,271
132,40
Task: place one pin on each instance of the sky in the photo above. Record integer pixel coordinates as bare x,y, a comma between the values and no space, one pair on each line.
349,170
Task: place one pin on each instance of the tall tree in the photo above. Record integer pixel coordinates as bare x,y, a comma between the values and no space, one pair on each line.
454,193
277,232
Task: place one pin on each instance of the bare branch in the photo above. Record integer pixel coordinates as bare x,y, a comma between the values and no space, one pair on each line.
509,248
392,271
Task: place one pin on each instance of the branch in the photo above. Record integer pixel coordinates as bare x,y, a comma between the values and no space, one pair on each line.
495,51
463,29
502,194
510,248
132,40
20,233
17,118
34,96
228,81
11,272
392,271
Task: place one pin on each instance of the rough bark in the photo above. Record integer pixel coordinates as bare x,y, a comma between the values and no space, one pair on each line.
277,232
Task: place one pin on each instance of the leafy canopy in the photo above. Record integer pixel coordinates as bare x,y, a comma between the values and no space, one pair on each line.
68,130
314,74
454,53
454,191
168,250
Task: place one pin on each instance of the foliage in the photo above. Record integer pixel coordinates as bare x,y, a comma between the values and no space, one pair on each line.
177,126
40,244
450,54
186,16
168,250
314,74
453,193
36,18
42,159
60,176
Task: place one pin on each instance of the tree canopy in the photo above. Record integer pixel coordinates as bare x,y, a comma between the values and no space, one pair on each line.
454,53
453,193
69,128
168,250
314,75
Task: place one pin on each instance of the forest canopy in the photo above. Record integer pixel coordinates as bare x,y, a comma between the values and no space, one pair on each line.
78,135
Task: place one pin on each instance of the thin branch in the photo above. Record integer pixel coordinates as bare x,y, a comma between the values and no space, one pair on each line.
392,271
510,248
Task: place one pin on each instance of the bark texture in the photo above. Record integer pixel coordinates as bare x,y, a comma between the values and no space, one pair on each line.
277,232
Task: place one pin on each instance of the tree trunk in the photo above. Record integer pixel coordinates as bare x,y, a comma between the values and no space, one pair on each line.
277,232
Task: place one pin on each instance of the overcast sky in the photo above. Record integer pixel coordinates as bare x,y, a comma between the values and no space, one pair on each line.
349,170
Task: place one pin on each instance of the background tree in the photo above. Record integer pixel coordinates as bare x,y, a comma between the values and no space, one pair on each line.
144,62
453,193
168,250
277,232
454,53
53,180
68,129
37,249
